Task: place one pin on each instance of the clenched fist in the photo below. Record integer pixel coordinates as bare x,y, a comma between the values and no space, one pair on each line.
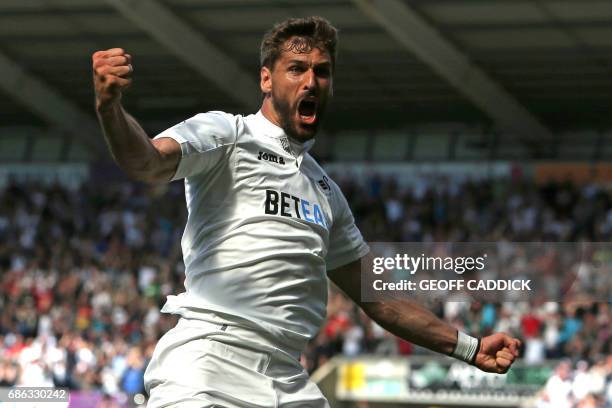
112,70
497,353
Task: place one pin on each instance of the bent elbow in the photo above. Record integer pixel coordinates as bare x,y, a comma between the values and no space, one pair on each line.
140,173
382,312
148,176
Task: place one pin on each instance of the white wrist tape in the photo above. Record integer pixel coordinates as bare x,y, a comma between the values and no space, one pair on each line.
466,348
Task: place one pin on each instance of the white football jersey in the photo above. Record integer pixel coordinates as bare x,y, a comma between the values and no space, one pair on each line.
265,223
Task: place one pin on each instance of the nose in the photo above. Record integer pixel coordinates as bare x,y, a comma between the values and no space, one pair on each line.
310,81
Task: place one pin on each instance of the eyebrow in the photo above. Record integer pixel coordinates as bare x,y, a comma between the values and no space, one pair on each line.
297,61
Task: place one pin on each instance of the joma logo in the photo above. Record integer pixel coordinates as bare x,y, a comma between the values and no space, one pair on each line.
271,158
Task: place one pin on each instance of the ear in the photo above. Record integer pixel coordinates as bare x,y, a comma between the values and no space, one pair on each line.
265,83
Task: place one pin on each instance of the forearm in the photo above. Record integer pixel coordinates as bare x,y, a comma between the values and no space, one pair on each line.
128,143
413,322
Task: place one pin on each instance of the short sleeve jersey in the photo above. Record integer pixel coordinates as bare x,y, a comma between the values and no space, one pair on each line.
265,223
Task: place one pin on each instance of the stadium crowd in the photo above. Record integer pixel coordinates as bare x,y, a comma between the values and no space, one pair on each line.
83,274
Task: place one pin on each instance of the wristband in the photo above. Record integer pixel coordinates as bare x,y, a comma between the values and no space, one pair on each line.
467,348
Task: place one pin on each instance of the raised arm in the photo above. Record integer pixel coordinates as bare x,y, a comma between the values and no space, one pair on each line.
413,322
138,156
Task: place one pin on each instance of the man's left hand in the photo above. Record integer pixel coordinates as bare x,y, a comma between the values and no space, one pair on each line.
497,353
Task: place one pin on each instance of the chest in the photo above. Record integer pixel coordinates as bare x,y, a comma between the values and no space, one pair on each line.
271,182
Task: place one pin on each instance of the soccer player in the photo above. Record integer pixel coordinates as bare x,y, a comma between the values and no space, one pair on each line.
266,228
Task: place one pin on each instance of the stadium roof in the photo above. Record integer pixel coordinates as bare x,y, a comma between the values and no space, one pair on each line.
528,68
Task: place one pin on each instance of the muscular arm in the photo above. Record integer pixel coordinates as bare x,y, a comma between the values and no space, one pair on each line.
138,156
404,318
413,322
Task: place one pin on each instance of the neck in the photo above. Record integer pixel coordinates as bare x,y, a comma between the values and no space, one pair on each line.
272,115
267,109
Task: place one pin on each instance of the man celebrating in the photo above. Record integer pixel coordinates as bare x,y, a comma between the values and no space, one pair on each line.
266,228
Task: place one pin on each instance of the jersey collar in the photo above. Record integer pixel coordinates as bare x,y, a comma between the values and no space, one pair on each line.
270,129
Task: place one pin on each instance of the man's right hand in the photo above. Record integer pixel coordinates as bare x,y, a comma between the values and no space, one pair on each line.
141,158
112,70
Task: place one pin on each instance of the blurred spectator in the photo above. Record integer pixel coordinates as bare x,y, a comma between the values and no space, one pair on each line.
559,387
584,387
132,381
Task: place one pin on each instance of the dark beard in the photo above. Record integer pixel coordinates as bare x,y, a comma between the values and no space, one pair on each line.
284,112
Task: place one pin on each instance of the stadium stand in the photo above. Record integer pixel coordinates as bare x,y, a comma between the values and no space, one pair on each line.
84,273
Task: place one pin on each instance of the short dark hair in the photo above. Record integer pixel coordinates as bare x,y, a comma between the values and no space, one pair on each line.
312,31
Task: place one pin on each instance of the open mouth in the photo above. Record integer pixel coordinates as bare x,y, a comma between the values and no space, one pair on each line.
307,109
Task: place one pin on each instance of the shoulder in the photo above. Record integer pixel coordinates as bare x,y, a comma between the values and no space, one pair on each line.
221,122
318,173
213,127
312,167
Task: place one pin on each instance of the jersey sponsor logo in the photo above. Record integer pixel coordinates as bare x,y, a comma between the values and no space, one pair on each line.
270,157
287,205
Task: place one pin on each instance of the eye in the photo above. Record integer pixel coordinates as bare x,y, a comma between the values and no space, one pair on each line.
323,72
295,68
